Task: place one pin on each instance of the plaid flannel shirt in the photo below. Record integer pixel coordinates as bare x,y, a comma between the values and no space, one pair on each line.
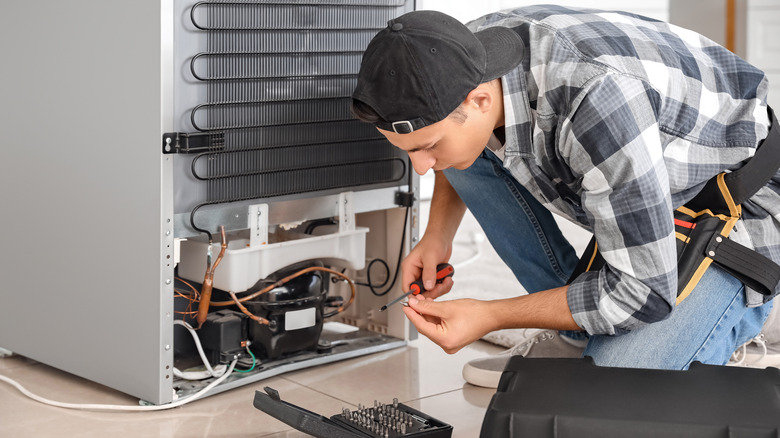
612,121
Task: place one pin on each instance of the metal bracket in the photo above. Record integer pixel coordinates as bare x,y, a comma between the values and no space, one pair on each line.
258,224
346,212
185,143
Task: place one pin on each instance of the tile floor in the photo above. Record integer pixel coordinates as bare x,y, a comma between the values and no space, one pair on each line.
420,375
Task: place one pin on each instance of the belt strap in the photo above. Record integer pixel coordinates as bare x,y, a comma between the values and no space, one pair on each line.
747,180
753,269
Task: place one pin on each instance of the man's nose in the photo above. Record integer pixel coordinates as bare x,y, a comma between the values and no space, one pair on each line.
422,162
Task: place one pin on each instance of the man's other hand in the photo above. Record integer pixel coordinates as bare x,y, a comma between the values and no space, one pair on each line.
450,324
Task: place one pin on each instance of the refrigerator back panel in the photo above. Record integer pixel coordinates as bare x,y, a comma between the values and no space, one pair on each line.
268,86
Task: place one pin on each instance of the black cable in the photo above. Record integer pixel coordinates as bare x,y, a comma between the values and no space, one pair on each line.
400,252
314,224
397,266
192,223
368,274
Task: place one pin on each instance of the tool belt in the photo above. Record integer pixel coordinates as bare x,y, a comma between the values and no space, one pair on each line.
702,226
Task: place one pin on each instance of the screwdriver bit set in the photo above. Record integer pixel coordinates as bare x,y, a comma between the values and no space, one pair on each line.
392,420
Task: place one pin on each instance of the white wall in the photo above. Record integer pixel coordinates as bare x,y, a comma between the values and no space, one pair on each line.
758,24
466,10
707,17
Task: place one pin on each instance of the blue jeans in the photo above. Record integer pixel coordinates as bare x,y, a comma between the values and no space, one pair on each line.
708,326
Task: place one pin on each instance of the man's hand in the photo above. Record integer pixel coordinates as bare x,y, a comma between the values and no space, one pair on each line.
454,324
421,263
450,324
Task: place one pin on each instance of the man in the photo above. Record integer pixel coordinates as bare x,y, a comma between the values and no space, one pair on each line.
608,119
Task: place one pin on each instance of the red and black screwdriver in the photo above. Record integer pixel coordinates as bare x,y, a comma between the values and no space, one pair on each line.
443,270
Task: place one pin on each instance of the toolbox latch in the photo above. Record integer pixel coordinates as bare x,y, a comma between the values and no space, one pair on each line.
274,394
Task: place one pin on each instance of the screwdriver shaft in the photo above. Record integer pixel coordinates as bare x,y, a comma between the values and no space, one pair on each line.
395,301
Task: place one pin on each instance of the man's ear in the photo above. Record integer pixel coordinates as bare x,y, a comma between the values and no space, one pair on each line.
479,98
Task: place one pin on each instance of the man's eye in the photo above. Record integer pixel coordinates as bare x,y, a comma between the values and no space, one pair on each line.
428,149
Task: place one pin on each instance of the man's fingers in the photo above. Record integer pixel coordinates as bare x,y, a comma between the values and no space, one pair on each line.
410,270
440,289
426,325
427,307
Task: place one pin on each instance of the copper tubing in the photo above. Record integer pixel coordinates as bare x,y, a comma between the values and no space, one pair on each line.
208,283
259,319
288,278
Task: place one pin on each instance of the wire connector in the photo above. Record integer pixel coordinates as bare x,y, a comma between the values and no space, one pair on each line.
404,199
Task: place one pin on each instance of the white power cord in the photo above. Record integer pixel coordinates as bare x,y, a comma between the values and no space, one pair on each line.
98,407
217,371
221,372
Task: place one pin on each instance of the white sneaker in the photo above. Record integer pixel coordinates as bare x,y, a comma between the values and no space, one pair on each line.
486,371
756,354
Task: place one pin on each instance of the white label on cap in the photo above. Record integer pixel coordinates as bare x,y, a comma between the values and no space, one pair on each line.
298,319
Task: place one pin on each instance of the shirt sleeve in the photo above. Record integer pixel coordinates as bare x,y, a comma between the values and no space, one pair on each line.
613,143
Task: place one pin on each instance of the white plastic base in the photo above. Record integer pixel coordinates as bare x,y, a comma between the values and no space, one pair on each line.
242,266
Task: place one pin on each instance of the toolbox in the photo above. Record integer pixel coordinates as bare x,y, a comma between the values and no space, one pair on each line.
562,397
379,421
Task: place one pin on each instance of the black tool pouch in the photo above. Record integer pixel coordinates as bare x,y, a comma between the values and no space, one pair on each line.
702,227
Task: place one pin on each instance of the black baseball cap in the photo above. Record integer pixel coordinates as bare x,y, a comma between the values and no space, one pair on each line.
418,69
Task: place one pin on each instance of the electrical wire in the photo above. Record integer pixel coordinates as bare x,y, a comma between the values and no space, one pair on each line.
370,283
310,228
397,266
200,350
100,407
192,223
254,361
199,375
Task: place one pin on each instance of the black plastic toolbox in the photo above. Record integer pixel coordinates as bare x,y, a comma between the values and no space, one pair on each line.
562,398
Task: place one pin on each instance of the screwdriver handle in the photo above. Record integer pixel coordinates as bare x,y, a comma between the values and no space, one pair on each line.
443,270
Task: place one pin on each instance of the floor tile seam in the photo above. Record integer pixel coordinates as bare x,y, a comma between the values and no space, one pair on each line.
354,404
317,391
434,395
285,431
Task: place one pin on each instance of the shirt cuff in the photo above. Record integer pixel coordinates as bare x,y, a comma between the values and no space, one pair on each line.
583,298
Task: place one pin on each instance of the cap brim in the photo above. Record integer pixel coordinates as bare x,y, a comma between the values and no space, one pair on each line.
503,51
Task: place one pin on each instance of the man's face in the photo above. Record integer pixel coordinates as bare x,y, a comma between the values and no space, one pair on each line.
445,144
